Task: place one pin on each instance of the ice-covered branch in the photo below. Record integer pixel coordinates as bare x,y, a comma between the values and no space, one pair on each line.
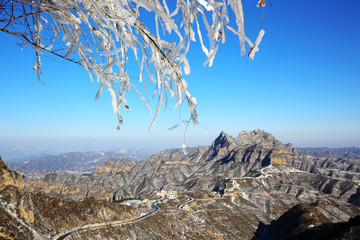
102,35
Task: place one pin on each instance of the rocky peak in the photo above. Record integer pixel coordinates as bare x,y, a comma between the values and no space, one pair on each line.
223,140
223,144
264,139
256,136
258,143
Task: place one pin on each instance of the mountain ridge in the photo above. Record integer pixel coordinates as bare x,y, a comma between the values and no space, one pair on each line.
325,151
75,162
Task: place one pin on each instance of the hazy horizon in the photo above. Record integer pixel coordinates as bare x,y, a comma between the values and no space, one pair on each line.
158,143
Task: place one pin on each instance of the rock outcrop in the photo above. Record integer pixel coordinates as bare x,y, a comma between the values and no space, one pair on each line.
10,177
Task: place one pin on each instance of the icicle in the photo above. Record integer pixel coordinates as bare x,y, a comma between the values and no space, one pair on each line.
206,5
179,124
255,48
183,146
186,66
99,91
111,52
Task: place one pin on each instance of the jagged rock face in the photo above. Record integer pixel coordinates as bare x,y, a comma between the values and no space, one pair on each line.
256,145
26,215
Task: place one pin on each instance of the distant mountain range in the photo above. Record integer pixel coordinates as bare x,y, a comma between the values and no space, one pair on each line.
17,153
324,151
77,162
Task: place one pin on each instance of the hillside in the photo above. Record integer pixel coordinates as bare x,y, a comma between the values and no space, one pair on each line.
25,215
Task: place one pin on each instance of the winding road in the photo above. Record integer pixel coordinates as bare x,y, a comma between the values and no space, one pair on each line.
189,200
65,234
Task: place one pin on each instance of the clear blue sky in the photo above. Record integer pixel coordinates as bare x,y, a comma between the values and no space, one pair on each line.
303,87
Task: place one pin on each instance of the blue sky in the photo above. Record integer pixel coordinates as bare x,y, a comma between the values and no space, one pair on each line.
303,87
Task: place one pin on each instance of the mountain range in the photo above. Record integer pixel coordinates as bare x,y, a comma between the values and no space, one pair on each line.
206,168
17,153
250,186
336,152
75,162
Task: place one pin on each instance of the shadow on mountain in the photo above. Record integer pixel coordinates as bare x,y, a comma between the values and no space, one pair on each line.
355,198
303,221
